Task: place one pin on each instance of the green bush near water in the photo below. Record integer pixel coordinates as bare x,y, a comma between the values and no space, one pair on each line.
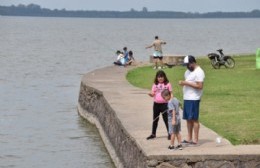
230,103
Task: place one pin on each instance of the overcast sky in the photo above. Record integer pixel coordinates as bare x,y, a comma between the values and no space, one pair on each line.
152,5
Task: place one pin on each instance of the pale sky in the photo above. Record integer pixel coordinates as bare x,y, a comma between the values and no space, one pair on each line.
152,5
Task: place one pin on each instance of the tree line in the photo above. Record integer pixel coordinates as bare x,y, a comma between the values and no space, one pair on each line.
36,10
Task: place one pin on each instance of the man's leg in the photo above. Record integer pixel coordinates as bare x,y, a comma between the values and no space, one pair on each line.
190,129
155,60
196,130
196,124
161,61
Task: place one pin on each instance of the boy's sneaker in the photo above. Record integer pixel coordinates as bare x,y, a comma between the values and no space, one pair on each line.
171,147
179,147
159,67
154,67
151,137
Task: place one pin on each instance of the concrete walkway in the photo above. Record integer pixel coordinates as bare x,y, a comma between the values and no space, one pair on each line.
134,109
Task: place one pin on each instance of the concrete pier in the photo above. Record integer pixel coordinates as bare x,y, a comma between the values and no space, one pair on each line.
123,115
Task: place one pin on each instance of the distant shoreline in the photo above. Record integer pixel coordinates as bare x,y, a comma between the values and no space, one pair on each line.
37,11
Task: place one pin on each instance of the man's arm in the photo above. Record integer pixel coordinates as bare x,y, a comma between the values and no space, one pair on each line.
163,42
150,46
196,85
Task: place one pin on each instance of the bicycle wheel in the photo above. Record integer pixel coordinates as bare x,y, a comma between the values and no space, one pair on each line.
229,63
215,64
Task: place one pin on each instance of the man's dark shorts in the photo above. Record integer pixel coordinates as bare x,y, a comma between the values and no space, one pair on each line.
158,57
191,109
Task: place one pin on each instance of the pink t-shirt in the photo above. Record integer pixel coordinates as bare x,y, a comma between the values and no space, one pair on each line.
157,89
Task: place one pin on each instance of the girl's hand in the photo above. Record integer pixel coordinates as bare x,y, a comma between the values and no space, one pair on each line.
151,94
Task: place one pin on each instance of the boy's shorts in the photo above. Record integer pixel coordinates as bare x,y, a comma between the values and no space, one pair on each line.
174,129
191,109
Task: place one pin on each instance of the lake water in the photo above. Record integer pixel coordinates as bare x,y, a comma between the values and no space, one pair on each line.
42,63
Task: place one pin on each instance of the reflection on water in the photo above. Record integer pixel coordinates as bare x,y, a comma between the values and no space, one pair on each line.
100,160
40,77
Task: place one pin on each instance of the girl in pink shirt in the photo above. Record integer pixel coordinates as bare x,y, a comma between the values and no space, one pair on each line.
161,82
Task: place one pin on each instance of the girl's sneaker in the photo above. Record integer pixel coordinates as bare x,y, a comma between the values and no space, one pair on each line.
179,147
171,147
151,137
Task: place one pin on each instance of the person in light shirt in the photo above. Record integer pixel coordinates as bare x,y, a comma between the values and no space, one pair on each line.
192,92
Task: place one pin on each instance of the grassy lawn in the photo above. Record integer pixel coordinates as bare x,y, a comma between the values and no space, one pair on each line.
230,104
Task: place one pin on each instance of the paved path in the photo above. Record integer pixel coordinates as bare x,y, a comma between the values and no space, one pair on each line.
134,109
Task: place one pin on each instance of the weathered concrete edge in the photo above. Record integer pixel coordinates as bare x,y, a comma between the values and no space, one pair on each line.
92,119
122,148
125,150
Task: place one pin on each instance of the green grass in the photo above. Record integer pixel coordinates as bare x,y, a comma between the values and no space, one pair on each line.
230,103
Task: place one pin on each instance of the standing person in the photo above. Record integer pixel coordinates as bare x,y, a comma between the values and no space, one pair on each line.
158,54
174,120
161,82
192,92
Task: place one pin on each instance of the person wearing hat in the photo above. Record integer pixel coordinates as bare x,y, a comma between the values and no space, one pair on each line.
192,92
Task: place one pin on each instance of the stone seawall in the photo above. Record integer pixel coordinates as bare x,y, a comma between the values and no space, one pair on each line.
125,150
122,113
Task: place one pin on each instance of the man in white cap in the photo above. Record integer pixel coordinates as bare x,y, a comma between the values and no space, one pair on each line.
192,92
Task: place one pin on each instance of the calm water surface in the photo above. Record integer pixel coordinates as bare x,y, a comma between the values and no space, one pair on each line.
42,63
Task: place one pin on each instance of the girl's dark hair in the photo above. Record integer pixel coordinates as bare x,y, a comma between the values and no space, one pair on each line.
161,73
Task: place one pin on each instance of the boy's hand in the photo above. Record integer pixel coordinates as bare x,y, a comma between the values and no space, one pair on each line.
173,122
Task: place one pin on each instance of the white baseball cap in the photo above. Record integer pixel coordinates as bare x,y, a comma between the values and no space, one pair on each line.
189,59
